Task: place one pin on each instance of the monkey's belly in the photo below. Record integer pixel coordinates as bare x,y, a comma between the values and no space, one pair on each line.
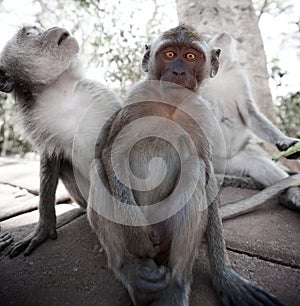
164,233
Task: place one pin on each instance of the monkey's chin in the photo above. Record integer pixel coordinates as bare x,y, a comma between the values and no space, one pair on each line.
178,84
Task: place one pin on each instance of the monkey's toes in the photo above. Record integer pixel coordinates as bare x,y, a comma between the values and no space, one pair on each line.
29,243
5,240
233,290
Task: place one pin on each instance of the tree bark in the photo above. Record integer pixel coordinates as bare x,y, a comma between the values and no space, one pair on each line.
237,17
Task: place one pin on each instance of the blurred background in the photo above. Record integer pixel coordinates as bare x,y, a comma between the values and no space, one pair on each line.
112,35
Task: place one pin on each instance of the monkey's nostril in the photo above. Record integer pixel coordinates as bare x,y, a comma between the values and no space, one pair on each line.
63,37
179,73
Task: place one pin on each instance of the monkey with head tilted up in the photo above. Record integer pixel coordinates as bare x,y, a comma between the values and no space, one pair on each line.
43,72
156,183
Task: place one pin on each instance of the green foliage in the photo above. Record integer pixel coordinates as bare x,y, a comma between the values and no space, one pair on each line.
288,113
290,151
287,108
11,139
112,35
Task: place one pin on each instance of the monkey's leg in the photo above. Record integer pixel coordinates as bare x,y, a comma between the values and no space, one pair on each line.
66,174
46,228
254,163
144,280
232,289
5,240
135,268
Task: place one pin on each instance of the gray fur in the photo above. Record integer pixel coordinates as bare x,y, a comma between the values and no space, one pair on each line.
241,121
154,261
43,71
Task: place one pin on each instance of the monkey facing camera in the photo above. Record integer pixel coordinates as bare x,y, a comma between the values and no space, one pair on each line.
43,72
153,193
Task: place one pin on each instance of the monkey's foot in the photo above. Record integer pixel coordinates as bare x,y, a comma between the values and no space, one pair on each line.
290,198
233,290
5,240
29,243
148,281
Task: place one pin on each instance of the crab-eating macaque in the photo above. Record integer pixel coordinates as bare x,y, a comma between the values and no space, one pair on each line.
231,99
156,183
43,71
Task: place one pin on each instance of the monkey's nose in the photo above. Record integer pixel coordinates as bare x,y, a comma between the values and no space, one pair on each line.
179,73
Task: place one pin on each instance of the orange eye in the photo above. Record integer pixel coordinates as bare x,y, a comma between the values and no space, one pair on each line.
170,55
190,56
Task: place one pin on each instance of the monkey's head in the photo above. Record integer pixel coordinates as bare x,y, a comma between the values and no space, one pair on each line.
228,45
181,56
34,56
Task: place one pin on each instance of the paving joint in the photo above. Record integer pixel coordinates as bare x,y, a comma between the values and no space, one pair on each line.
264,258
32,191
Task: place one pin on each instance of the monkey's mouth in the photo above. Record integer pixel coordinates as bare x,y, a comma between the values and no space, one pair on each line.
63,37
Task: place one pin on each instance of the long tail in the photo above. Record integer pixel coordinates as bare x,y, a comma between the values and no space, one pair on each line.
241,207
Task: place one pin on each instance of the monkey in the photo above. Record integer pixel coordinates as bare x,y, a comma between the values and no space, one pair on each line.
154,176
43,71
231,99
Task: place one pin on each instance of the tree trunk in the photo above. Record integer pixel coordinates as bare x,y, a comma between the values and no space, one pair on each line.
237,17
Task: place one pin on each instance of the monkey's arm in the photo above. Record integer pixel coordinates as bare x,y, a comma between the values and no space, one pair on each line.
259,124
231,287
46,228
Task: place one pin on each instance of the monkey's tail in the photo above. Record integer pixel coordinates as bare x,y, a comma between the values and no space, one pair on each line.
244,206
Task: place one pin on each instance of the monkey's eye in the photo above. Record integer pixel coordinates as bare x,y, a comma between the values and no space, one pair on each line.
190,56
169,54
32,32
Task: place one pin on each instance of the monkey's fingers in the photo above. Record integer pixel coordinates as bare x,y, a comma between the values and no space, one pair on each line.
152,275
153,287
30,242
38,239
19,247
294,156
5,240
236,291
153,278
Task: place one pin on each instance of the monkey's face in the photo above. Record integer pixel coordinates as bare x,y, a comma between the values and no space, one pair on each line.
39,56
184,65
181,56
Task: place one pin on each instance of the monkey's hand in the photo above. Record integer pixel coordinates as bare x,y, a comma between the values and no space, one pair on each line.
284,143
233,290
5,240
291,152
39,235
147,281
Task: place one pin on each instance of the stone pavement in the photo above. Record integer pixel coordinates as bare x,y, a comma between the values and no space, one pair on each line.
263,247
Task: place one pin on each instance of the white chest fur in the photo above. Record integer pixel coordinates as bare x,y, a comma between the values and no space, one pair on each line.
58,110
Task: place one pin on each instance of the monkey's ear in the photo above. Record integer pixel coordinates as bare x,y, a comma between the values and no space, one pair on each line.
6,84
214,62
145,61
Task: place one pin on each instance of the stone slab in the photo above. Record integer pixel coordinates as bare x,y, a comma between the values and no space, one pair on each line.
20,226
15,200
72,270
24,174
271,231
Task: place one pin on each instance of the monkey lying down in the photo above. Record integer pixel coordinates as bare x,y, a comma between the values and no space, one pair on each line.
43,72
153,193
